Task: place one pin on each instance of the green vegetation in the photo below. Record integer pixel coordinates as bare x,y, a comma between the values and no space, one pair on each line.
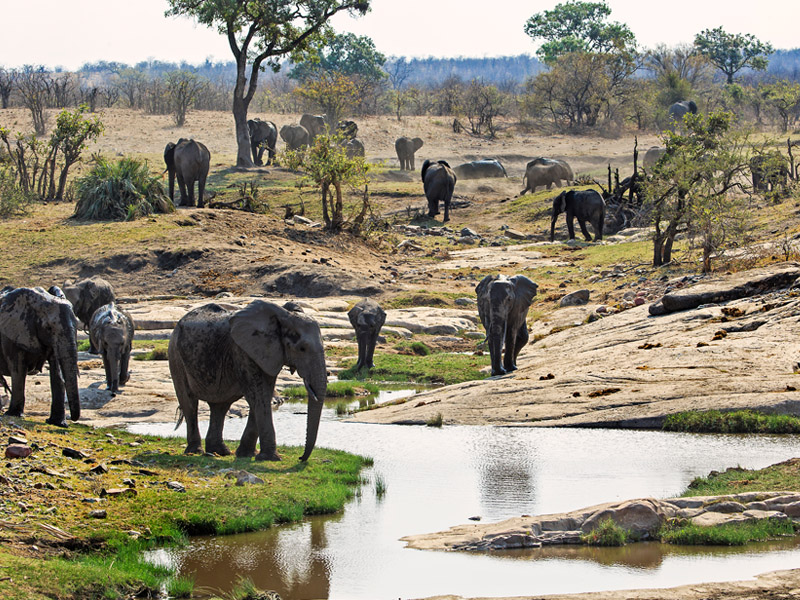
110,564
14,200
435,421
336,389
607,533
730,534
380,486
423,298
418,348
783,476
742,421
180,587
731,53
439,368
158,349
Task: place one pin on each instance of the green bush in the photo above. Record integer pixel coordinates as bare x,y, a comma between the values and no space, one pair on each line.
14,201
607,533
116,191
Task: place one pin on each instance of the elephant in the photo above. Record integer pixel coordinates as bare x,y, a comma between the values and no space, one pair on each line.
347,129
263,135
405,148
38,327
367,318
111,332
585,205
542,174
438,181
219,353
190,161
86,296
354,147
503,304
295,136
678,110
769,171
652,156
314,124
478,169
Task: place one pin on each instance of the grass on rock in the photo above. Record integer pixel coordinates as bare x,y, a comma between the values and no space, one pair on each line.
730,534
438,368
741,421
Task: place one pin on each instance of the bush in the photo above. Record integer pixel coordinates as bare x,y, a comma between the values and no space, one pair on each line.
14,201
120,191
607,533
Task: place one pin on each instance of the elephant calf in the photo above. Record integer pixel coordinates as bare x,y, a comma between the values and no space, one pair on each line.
503,305
189,161
439,181
367,318
111,332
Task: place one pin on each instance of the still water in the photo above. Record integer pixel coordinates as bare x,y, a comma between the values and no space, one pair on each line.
437,478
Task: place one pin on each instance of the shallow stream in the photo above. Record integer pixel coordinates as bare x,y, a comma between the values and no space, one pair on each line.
437,478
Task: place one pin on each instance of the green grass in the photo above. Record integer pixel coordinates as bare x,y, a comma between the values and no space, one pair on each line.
336,389
424,298
180,587
742,421
731,534
380,486
783,476
437,368
158,349
607,533
418,348
435,421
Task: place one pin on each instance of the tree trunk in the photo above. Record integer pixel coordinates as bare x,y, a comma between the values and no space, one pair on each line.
243,158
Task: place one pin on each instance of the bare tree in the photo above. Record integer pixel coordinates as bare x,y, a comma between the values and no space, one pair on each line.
398,70
182,89
63,86
7,82
35,89
109,95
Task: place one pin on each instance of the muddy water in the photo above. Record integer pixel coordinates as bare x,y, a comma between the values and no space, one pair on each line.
436,478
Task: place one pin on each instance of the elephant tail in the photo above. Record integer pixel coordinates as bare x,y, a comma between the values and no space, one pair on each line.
179,416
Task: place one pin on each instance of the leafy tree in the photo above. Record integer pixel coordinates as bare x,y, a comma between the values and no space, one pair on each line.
182,89
73,131
731,53
261,32
349,54
691,187
577,26
332,92
783,97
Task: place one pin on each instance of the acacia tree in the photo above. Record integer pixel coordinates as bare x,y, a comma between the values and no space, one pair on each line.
731,53
784,97
261,32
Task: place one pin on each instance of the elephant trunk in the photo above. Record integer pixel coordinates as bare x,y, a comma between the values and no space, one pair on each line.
315,404
553,226
68,362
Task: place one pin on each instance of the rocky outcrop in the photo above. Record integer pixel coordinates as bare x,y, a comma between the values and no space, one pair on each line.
640,518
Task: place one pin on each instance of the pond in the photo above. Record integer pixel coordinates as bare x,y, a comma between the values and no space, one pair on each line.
437,478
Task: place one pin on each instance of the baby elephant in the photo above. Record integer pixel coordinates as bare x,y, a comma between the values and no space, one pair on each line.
367,318
111,332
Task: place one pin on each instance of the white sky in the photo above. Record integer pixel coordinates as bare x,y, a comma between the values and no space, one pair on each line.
69,33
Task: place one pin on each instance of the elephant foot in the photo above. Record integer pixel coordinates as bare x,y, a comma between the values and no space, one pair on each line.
221,450
13,412
57,422
193,449
245,452
498,372
268,456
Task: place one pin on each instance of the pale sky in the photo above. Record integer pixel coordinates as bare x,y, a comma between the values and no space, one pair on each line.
69,33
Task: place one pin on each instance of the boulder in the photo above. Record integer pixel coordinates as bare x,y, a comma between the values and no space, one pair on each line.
639,518
578,298
18,451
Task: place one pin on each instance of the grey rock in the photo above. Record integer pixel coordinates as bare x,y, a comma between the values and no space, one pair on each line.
467,232
244,478
638,517
466,301
99,513
578,298
515,235
441,330
176,486
726,507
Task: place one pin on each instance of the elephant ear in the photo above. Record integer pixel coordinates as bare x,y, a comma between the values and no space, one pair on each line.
257,330
482,292
417,143
354,313
525,289
22,312
692,107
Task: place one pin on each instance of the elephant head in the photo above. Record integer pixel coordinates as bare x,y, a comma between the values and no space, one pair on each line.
367,318
38,327
272,337
314,124
86,296
503,305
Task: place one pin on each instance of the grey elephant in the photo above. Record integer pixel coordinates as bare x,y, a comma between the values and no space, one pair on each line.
652,156
347,129
189,161
503,305
405,148
541,175
314,124
37,327
111,331
86,296
438,181
678,110
263,136
367,318
295,136
354,147
220,353
584,205
478,169
769,171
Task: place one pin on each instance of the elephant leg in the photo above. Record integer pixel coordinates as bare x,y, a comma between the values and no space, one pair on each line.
124,373
411,163
201,190
259,397
598,228
584,231
107,369
362,351
182,188
18,376
187,402
522,340
190,199
446,211
433,208
254,150
496,337
369,352
247,444
214,443
571,225
57,414
510,355
259,160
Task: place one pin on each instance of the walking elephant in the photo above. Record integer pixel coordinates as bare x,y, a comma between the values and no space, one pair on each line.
503,305
584,205
479,169
111,332
542,175
220,353
86,296
189,161
367,318
263,135
295,136
37,327
438,181
769,171
405,148
678,110
314,124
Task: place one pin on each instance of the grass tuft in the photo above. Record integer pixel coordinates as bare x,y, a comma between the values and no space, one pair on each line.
336,389
742,421
180,587
438,368
607,533
380,486
731,534
435,421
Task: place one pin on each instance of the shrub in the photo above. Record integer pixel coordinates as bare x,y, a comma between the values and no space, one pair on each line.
435,421
123,190
14,201
607,533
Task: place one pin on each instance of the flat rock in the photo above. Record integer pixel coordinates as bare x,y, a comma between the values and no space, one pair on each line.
578,298
18,451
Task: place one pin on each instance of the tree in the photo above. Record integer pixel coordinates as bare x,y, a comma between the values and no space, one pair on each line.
333,93
261,32
577,26
784,97
35,86
349,54
731,53
73,130
7,83
691,187
482,104
182,89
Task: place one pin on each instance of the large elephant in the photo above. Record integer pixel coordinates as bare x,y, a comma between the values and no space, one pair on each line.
263,135
86,296
314,124
503,305
189,161
769,171
367,318
653,155
111,332
438,181
405,148
295,136
37,327
678,110
478,169
584,205
219,353
541,174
